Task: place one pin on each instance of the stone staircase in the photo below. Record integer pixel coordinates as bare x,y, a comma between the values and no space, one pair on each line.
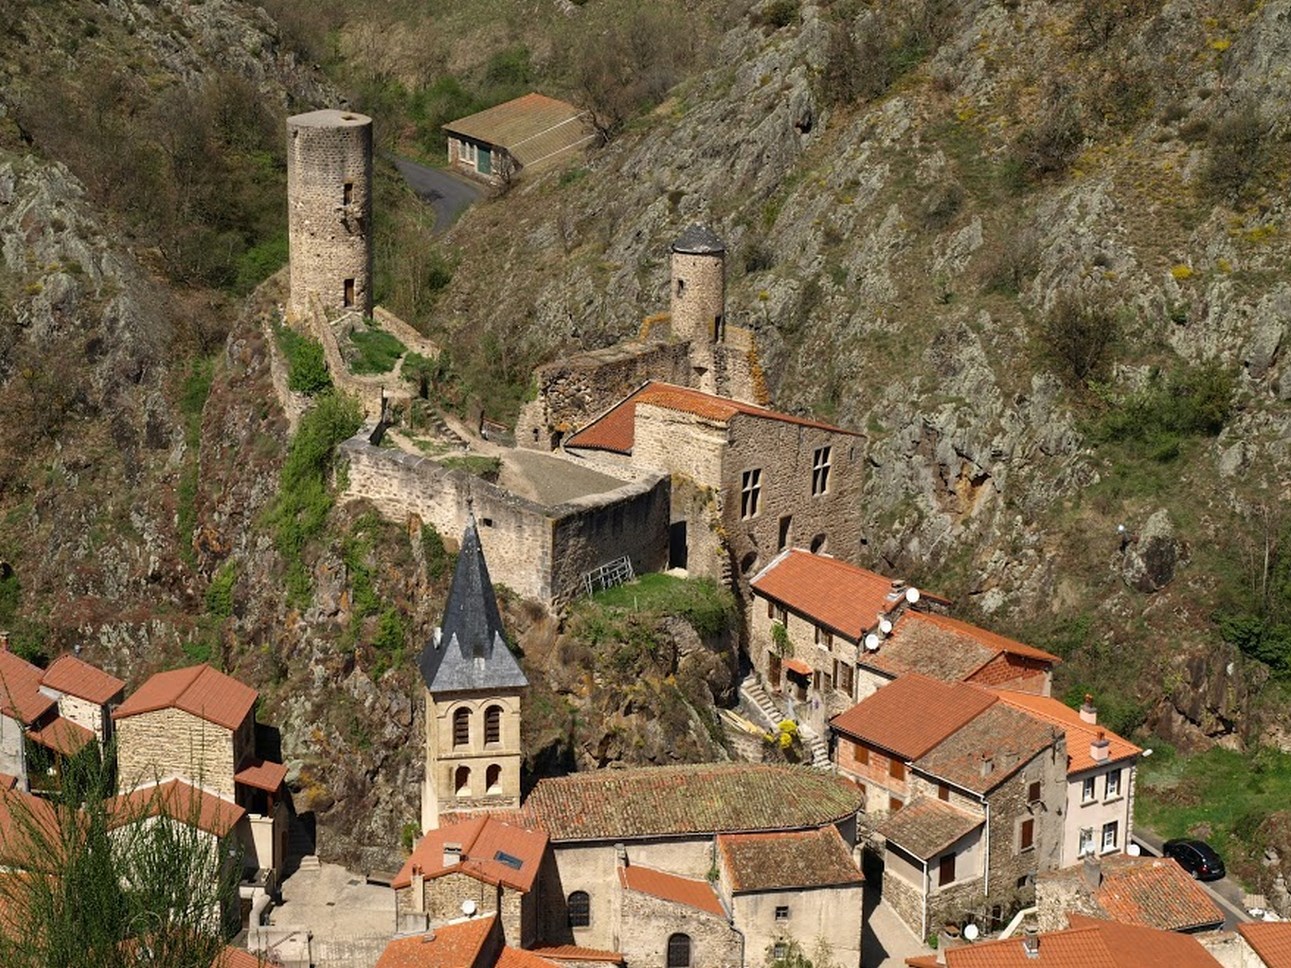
817,747
756,697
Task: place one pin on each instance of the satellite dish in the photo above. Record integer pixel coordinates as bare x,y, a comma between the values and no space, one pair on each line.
1133,849
912,595
468,907
872,642
970,932
885,626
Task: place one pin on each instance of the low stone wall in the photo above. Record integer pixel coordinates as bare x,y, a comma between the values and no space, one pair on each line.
402,331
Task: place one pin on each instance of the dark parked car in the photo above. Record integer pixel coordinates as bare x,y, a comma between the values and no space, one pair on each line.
1196,857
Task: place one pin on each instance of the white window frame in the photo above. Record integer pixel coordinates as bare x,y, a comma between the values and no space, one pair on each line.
1088,793
820,467
1112,785
1112,827
1086,841
782,912
750,493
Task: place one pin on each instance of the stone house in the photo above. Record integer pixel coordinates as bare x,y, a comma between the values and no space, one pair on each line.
963,797
1099,805
197,724
85,694
1263,944
674,922
761,480
527,133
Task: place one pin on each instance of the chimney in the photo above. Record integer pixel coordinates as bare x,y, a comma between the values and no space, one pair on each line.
452,855
1092,872
620,855
418,889
1089,712
987,765
1098,748
1030,942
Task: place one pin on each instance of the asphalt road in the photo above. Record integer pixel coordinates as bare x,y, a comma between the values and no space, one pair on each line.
448,194
1225,892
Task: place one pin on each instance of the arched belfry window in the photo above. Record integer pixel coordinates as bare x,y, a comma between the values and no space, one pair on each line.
462,727
493,779
462,781
493,725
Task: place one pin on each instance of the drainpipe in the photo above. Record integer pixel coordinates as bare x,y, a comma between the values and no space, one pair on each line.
743,940
986,877
923,908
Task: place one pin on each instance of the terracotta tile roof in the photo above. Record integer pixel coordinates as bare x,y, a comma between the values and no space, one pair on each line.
519,958
62,736
1080,735
616,429
200,690
262,775
28,825
531,127
925,827
1151,891
1271,941
448,946
572,952
1133,946
7,782
670,887
1089,943
20,695
955,628
828,591
69,674
913,714
944,648
798,666
179,801
988,749
231,957
691,799
492,851
787,861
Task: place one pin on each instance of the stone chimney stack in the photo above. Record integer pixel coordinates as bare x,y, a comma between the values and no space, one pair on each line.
1092,872
4,641
1089,712
418,889
1098,749
452,855
1030,942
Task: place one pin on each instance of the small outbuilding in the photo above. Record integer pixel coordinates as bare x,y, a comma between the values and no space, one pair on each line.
496,144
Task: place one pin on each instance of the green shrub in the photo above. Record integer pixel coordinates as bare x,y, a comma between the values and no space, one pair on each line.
439,563
219,594
259,262
779,13
306,363
1078,338
1192,401
377,351
1049,146
1235,154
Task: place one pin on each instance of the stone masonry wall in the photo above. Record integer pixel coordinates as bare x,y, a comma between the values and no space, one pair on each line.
698,297
646,923
329,208
83,713
443,897
166,742
737,370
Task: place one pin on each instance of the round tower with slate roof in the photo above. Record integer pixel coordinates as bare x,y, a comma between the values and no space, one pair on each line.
472,691
698,298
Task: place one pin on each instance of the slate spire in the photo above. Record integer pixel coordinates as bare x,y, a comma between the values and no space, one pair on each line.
469,651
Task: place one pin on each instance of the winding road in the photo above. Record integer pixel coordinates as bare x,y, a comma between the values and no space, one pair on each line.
448,194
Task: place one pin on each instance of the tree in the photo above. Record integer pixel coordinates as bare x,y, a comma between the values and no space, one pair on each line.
110,881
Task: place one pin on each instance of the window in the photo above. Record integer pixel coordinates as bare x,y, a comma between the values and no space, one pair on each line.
462,781
579,906
1086,841
943,792
820,471
770,609
783,541
896,769
895,803
861,754
750,492
1026,835
1113,787
946,870
843,676
679,951
493,725
1087,790
824,639
782,615
1033,792
349,293
779,950
462,727
782,912
493,779
681,288
347,193
1109,835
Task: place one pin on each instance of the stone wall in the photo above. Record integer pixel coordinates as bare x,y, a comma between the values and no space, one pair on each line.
539,552
698,298
170,742
439,792
902,891
737,370
646,923
403,332
834,915
443,896
13,758
329,209
84,713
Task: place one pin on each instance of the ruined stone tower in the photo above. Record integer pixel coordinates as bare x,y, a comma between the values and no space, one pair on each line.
698,302
329,210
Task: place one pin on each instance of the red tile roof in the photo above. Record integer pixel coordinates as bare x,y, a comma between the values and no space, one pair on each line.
1155,892
1080,735
794,860
483,839
20,695
262,775
616,429
69,674
231,957
945,648
798,666
670,887
179,801
447,946
988,749
519,958
703,799
199,690
828,591
572,952
1271,941
925,827
29,825
913,714
7,782
62,736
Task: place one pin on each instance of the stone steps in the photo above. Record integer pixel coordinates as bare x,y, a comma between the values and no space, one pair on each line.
817,747
752,692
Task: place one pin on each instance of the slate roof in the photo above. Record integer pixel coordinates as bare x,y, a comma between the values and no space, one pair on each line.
700,799
698,240
913,714
1080,734
199,690
531,127
179,801
1152,891
669,887
469,651
20,695
1002,738
1271,941
794,861
925,827
71,675
615,430
483,840
830,592
447,946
